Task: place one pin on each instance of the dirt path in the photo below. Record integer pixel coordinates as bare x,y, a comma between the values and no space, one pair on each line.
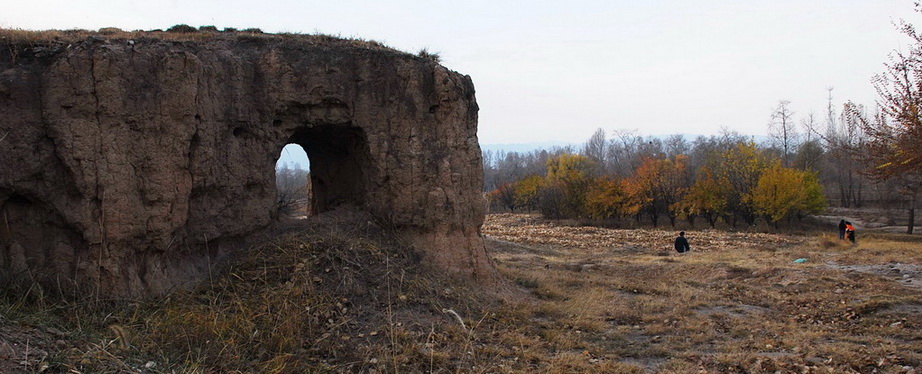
905,274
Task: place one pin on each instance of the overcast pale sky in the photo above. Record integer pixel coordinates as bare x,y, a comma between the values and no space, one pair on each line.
558,70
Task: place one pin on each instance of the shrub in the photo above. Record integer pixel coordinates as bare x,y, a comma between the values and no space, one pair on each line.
431,56
110,30
182,28
551,202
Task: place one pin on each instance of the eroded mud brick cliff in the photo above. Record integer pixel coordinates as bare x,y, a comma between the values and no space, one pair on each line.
130,162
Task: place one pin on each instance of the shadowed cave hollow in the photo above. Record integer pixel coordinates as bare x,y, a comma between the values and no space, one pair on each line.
338,156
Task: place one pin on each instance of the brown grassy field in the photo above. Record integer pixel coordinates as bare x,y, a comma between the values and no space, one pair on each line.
736,303
585,299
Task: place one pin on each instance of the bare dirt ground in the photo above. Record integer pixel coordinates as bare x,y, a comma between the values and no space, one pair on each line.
870,219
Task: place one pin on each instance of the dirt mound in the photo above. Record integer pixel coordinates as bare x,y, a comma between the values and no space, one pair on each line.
342,294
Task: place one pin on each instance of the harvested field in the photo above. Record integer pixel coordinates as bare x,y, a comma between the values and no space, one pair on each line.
737,303
532,230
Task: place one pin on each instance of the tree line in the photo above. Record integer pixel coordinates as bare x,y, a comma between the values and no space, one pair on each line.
727,178
849,156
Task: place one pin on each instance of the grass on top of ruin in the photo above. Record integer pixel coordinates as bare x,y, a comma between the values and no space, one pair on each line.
342,298
185,33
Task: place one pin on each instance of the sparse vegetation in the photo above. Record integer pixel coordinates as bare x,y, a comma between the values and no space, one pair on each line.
431,56
346,296
18,38
110,31
182,28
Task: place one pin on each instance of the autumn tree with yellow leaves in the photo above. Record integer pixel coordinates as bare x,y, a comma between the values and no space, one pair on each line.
739,169
785,193
706,198
567,185
527,191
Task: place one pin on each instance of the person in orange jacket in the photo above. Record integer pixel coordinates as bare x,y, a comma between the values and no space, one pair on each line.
849,231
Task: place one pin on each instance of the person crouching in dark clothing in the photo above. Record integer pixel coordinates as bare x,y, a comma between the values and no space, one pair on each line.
681,244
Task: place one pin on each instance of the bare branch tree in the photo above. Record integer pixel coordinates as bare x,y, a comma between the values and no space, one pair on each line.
594,148
895,137
783,130
292,186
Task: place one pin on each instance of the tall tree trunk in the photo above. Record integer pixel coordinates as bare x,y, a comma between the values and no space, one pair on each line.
858,200
912,220
912,214
843,195
712,219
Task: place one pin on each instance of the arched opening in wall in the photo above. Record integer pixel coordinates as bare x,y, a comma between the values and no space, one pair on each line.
337,158
292,182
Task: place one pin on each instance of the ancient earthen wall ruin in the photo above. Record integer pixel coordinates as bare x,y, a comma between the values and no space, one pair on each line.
128,164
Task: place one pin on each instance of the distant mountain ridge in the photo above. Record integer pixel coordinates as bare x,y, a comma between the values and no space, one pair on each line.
294,155
526,147
548,145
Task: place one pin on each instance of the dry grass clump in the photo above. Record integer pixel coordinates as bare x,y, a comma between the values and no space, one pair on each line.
326,299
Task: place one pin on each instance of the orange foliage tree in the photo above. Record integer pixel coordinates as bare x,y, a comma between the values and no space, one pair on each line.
504,194
657,187
606,199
